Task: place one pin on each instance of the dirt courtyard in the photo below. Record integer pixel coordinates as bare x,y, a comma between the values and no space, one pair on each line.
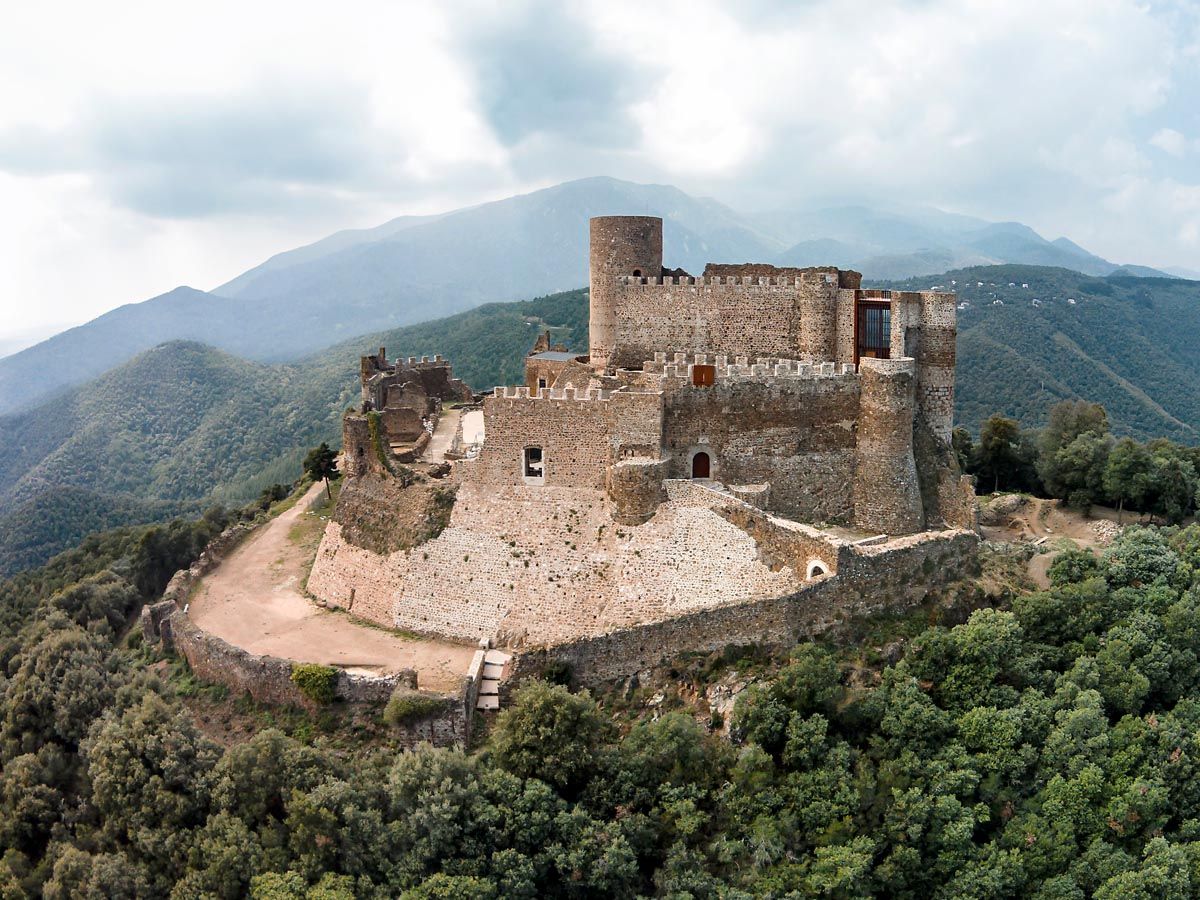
254,600
1051,526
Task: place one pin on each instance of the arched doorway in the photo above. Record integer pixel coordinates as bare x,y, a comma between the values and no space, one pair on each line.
701,465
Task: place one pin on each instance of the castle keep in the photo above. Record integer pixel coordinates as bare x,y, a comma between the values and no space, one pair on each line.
742,455
795,388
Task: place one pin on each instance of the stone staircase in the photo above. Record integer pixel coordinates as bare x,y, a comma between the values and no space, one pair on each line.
494,663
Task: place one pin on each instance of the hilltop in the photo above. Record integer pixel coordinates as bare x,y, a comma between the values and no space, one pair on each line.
154,436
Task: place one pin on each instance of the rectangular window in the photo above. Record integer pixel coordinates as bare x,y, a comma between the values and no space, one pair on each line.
534,466
541,384
873,331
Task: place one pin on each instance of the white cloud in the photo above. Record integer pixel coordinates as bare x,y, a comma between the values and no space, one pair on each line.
145,145
1170,141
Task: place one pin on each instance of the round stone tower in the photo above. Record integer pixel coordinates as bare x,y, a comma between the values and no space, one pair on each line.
817,300
620,245
887,493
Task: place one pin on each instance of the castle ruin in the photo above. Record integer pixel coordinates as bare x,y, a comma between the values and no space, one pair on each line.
743,455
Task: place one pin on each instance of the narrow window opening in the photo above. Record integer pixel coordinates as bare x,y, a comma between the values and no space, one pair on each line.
541,384
534,467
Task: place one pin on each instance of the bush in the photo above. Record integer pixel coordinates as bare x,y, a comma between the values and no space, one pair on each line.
316,682
404,707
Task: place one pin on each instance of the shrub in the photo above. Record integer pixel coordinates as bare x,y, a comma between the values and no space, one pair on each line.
404,707
316,682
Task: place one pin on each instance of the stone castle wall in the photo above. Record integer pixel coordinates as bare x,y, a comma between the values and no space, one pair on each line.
580,432
796,432
897,575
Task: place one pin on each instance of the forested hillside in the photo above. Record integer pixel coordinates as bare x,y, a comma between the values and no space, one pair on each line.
1031,335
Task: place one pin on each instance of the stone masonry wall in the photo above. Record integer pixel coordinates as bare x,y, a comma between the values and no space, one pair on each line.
897,575
796,433
573,434
887,491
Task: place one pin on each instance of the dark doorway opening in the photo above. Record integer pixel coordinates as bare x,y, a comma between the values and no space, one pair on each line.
701,465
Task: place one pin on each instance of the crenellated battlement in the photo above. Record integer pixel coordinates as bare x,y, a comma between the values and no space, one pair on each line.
569,392
681,365
727,280
423,362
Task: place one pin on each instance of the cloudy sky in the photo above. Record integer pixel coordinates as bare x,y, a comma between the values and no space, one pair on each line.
147,145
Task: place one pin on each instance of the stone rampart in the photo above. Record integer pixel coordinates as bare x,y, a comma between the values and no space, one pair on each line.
895,575
795,431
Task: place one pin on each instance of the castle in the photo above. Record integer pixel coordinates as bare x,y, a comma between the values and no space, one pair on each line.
740,455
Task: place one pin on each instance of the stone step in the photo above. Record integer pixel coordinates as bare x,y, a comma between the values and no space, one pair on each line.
489,687
489,702
497,657
492,670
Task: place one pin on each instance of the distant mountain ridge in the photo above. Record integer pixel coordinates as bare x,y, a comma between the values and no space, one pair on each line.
417,268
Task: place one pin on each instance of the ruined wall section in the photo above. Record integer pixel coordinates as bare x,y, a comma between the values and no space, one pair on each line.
887,492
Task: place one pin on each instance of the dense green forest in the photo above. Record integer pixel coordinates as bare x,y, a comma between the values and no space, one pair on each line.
1046,747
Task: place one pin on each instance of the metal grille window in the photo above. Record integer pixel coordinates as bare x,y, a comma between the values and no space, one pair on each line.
874,331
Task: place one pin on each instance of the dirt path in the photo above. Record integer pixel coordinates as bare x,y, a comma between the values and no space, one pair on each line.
1044,522
255,600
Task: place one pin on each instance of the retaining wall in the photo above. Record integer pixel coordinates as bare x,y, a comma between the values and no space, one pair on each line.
268,679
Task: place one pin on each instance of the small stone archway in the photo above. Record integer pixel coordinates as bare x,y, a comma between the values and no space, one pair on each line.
816,568
701,465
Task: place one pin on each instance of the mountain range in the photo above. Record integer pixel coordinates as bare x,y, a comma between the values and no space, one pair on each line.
417,268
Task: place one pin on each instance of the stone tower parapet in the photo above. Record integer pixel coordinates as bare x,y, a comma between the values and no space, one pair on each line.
620,246
887,492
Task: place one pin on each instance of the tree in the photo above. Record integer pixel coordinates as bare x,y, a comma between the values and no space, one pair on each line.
1079,469
1174,482
1067,421
321,465
551,734
963,446
1128,474
998,454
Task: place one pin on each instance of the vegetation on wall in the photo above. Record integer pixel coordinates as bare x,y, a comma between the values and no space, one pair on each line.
316,682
